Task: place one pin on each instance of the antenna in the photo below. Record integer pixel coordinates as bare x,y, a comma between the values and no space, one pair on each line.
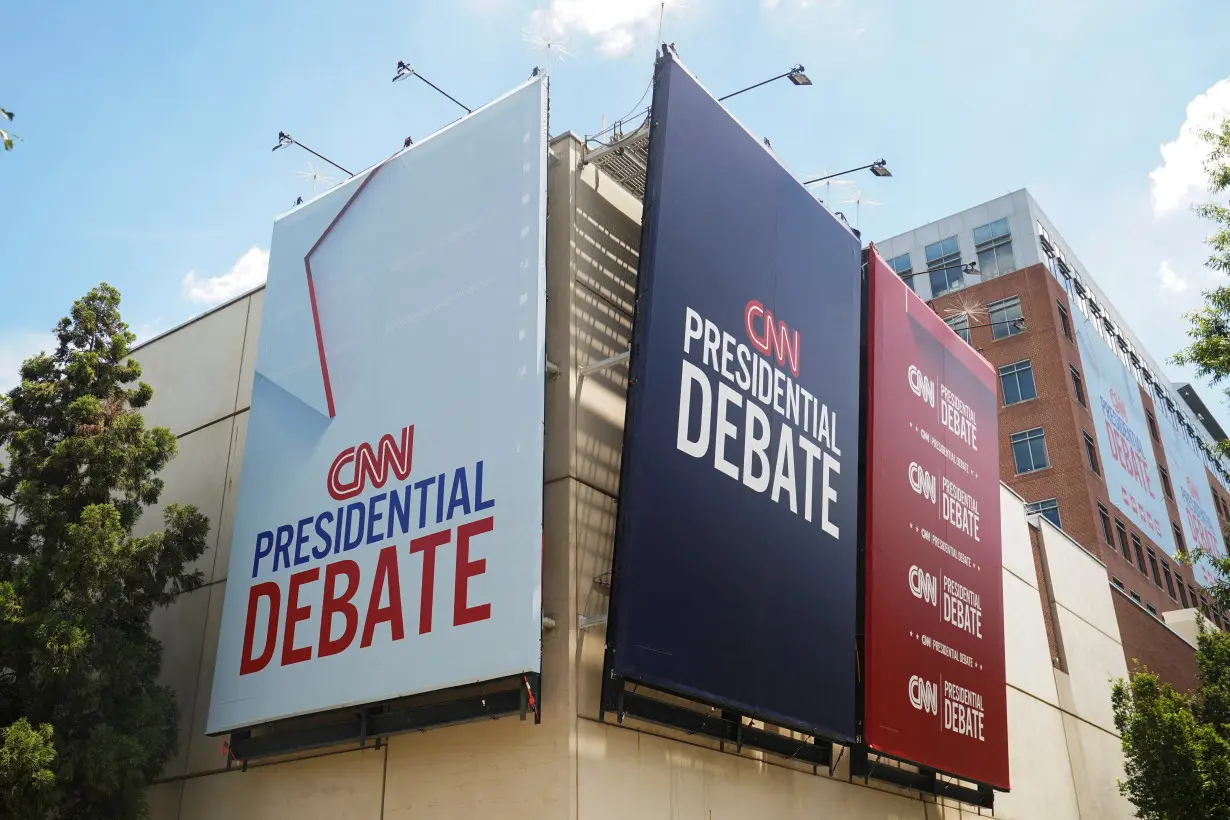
554,48
315,177
858,203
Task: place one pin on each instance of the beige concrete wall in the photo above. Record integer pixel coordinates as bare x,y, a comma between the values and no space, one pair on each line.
1064,756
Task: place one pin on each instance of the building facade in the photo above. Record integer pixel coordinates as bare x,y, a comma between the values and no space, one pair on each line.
1064,638
1003,278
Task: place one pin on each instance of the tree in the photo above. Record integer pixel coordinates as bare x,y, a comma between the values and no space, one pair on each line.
1209,327
1176,746
6,138
84,726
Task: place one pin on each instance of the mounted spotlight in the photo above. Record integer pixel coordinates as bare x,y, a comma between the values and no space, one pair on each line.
795,75
880,169
404,70
285,139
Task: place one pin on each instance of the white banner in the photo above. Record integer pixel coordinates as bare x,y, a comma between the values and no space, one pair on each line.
1193,495
1128,464
388,533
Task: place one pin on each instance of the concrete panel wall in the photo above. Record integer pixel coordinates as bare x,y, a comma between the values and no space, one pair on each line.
572,766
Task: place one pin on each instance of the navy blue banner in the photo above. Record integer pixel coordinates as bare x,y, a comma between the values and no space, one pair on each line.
736,548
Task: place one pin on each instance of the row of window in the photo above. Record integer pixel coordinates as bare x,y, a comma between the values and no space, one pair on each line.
992,244
1004,317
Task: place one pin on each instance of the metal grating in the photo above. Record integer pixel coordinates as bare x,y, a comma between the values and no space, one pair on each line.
625,159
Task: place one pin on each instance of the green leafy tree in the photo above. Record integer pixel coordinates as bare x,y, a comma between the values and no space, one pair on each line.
6,137
83,724
1209,327
1176,745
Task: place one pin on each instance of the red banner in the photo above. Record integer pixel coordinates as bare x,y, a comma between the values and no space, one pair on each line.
934,679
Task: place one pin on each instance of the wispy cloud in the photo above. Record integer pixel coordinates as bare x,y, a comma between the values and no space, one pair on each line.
616,25
1182,170
1170,280
15,348
247,272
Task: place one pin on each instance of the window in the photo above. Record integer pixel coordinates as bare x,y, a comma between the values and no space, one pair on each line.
902,267
944,262
1078,386
1017,381
1152,425
1135,597
1006,318
1064,323
1178,537
1123,545
1116,582
1091,450
1169,582
1104,516
993,242
1166,488
1140,554
1157,576
960,324
1204,606
1191,591
1182,595
1048,509
1029,450
1152,609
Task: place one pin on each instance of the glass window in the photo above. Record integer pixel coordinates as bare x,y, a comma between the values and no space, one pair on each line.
1191,593
1078,385
1152,609
1140,554
1178,537
1091,451
1116,582
960,324
1166,488
902,267
993,242
1029,450
1017,381
1048,509
1182,595
1152,425
1121,531
1104,516
1064,324
1005,318
1157,577
1169,582
1135,597
944,262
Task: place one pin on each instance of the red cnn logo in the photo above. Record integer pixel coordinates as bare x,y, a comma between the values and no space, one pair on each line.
367,464
769,340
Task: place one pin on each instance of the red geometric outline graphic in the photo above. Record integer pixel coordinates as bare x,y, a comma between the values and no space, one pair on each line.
307,264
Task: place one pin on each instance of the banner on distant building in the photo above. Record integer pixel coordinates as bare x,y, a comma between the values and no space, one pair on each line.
388,530
1193,496
935,691
736,548
1128,463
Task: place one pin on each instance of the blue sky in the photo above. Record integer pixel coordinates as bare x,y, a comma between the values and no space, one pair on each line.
147,128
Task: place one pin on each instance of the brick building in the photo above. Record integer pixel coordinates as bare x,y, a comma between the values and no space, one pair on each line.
1003,278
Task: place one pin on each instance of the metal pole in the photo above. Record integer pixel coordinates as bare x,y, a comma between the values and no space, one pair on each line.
442,91
757,85
326,159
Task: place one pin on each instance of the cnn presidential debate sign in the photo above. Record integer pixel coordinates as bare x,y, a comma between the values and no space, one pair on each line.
1192,494
736,546
1128,463
935,687
388,531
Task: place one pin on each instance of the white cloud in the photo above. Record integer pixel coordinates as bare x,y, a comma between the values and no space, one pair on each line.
617,25
15,348
1171,280
1182,169
770,4
247,272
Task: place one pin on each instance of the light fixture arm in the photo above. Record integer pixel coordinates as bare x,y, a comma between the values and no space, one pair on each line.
468,110
757,85
285,139
879,163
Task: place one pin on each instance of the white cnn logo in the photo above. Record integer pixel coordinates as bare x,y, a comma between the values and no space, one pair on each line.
924,695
